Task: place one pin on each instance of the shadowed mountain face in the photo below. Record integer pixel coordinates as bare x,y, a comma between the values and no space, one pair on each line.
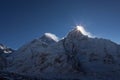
68,58
4,53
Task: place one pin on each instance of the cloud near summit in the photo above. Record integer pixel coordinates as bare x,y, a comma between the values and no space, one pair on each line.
53,36
83,31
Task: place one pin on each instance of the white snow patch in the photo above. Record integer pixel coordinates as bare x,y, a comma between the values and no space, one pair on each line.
53,36
7,51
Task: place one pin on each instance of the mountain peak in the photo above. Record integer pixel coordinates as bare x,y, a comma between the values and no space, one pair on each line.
49,38
52,36
78,28
2,46
79,31
5,49
76,32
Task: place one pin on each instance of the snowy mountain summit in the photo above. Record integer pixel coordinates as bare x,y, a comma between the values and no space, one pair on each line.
4,53
4,49
77,56
49,38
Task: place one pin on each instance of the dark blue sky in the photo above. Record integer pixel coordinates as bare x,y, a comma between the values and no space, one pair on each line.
23,20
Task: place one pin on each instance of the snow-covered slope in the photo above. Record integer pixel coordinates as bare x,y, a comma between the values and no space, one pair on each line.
73,55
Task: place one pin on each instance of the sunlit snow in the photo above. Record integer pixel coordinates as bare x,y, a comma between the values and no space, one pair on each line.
83,31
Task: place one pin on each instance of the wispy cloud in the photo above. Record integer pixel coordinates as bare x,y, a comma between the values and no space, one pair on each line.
83,31
53,36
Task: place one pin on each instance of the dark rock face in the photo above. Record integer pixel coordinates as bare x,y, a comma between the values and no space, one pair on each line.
4,53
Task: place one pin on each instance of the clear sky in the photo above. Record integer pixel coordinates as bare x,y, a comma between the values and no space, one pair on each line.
23,20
